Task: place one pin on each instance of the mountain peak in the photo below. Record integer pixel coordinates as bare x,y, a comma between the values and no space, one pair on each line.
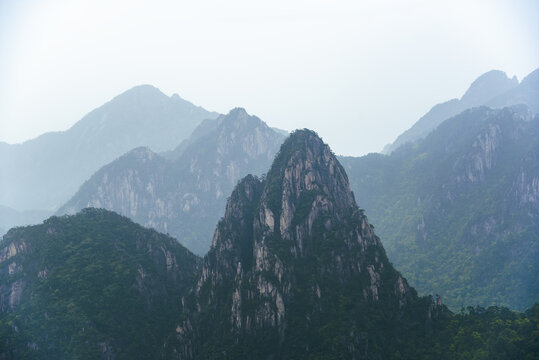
306,165
532,78
239,117
238,112
493,89
487,86
143,153
142,90
285,248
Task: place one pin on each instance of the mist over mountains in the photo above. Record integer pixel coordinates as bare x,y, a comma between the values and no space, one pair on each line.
183,192
43,173
464,234
458,211
493,89
295,269
269,252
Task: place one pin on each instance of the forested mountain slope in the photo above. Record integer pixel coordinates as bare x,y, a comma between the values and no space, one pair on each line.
459,211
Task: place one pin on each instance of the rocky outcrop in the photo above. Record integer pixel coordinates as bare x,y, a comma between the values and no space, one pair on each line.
289,247
184,193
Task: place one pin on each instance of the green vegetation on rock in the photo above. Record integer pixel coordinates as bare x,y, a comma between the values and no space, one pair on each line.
458,211
91,285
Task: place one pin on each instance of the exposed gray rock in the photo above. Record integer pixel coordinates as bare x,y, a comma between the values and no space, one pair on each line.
184,196
264,251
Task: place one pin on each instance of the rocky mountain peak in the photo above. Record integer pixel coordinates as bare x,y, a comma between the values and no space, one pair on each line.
237,119
286,246
238,113
141,153
306,166
240,132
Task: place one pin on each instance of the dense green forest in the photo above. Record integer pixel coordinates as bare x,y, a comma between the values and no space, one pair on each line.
89,285
457,212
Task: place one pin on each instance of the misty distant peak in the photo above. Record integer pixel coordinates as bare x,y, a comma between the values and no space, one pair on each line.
487,86
239,117
142,90
141,153
237,113
493,89
492,76
532,78
140,116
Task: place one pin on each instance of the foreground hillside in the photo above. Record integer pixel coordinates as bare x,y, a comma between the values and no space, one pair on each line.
459,211
93,285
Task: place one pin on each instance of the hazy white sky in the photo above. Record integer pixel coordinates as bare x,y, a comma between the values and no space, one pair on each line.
357,72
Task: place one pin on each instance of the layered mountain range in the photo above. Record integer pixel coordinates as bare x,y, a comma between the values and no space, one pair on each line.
295,271
446,206
458,210
184,191
294,268
493,89
142,116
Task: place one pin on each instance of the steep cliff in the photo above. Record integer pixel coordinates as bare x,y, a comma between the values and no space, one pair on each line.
295,268
183,193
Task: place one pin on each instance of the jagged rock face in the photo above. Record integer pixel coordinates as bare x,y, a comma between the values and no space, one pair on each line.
458,210
130,186
289,249
10,292
184,193
525,187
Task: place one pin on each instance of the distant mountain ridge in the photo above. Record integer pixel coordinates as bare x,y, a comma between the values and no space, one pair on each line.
44,172
493,89
459,209
184,191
